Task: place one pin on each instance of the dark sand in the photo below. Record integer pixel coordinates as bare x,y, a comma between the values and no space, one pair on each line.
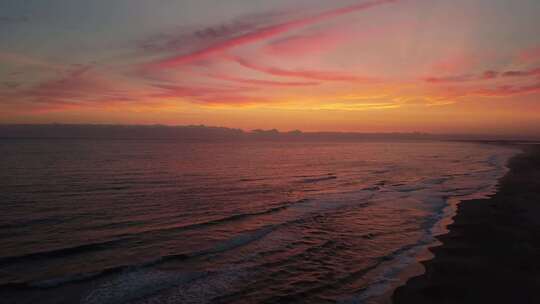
492,251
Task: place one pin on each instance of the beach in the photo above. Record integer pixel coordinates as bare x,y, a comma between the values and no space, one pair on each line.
490,254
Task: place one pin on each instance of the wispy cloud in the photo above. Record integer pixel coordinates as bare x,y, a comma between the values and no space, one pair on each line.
455,63
508,90
262,34
301,45
447,79
78,86
210,95
300,73
522,73
486,75
529,55
259,82
186,39
27,61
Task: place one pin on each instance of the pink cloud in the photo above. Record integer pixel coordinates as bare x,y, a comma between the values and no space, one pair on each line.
189,39
455,64
447,79
505,90
209,95
73,85
529,55
232,99
79,86
169,90
259,82
300,45
264,33
509,90
299,73
522,73
487,75
325,40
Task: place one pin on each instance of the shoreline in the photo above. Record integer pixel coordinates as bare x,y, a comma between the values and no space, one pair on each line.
422,253
489,252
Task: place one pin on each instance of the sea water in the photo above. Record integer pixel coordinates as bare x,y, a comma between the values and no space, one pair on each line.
125,221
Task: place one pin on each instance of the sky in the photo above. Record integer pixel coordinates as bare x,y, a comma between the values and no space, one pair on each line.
438,66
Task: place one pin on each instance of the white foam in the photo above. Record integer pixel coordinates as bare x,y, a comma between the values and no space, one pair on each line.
483,184
132,285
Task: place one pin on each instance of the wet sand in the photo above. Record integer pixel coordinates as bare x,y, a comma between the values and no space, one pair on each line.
492,251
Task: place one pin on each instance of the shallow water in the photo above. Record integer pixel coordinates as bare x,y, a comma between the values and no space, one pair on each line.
120,221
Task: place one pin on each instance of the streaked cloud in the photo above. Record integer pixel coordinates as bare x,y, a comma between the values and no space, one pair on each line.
529,55
301,73
262,34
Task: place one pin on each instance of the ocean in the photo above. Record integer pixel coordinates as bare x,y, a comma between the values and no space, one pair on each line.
164,221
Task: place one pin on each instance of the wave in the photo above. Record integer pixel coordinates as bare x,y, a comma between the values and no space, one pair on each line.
14,224
80,277
226,245
137,284
237,241
62,280
224,220
318,179
62,252
220,247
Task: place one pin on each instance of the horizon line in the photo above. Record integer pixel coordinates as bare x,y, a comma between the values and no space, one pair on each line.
530,137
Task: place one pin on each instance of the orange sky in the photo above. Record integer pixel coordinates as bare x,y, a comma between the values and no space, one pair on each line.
368,66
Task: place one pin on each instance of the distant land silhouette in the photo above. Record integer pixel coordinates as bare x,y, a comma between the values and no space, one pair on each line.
207,133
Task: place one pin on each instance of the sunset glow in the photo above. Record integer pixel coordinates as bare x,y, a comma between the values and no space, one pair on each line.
365,65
